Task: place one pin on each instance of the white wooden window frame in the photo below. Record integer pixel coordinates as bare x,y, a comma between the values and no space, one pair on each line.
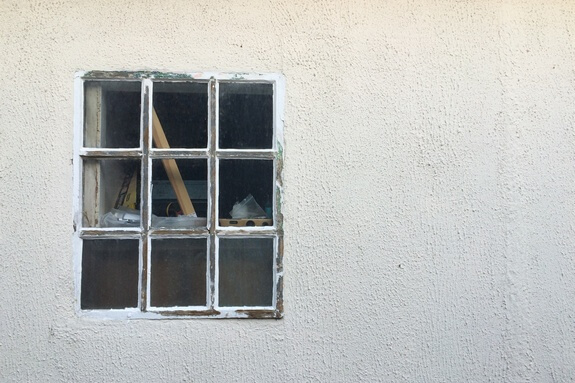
213,232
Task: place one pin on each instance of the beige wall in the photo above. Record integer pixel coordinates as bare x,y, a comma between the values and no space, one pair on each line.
429,189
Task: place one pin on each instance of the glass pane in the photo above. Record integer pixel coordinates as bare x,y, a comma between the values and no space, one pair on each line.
109,274
182,109
188,178
246,116
111,191
240,179
178,274
246,271
112,114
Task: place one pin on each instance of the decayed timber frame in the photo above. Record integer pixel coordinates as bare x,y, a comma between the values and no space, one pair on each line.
146,153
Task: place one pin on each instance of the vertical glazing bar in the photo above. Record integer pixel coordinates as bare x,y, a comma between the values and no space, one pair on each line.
145,195
212,197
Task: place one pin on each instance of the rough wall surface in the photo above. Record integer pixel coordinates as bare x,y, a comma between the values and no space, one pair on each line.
429,189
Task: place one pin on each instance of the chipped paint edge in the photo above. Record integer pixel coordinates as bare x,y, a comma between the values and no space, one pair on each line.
272,312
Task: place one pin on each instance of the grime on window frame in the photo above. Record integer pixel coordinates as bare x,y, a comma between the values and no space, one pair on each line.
177,195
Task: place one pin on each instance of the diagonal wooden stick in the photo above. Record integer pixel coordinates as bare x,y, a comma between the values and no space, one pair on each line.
171,167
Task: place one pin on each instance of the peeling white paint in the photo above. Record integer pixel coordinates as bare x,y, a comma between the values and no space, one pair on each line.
142,233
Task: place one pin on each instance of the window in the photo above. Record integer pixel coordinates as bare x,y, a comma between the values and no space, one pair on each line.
177,195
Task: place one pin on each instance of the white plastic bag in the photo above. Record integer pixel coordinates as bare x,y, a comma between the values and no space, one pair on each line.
248,208
122,216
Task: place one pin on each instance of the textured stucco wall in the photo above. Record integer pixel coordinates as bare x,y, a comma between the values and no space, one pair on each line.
429,189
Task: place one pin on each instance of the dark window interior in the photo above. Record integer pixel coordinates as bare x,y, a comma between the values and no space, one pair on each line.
182,109
122,119
178,274
109,274
239,178
246,272
178,266
246,116
165,204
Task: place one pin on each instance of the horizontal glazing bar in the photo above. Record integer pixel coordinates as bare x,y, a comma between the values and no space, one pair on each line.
251,231
180,153
102,153
110,233
247,154
180,233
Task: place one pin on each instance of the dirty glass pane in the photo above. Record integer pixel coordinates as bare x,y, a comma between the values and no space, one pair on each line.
178,273
111,191
112,114
246,271
109,274
182,108
240,179
187,176
245,115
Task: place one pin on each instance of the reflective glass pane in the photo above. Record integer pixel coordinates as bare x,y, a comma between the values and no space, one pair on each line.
240,179
246,271
182,109
112,114
245,115
176,181
178,273
109,274
111,193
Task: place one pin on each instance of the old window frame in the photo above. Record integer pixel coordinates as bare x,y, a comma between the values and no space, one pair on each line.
213,232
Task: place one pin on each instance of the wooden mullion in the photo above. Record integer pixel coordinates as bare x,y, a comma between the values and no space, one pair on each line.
247,231
212,192
179,153
116,233
110,153
145,194
247,154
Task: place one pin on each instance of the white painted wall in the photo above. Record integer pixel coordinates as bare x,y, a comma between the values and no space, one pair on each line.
429,189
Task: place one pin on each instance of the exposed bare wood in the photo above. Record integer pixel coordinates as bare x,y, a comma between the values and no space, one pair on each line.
89,153
145,208
202,313
261,314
